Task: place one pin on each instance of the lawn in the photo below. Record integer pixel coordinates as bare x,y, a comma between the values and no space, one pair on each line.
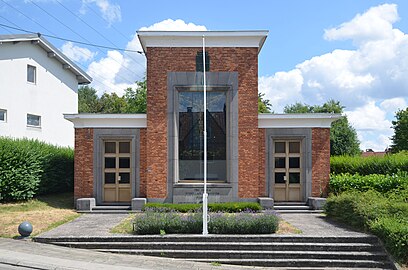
43,212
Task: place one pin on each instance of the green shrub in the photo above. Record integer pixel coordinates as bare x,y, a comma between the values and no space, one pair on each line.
230,207
151,222
30,167
385,215
381,183
20,170
394,233
388,164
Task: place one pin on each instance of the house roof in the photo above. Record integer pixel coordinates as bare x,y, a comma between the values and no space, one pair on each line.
255,38
52,51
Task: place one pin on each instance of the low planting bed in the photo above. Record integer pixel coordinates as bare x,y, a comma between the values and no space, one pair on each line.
154,222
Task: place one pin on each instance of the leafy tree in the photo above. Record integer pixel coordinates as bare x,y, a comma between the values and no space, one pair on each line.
136,100
264,105
112,103
343,137
400,126
88,101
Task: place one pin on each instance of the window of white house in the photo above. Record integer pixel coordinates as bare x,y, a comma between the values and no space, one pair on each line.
3,115
33,120
31,74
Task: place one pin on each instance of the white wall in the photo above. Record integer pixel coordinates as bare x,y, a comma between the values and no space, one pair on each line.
53,94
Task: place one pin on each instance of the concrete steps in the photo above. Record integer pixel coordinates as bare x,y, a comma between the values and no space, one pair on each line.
294,208
254,250
109,209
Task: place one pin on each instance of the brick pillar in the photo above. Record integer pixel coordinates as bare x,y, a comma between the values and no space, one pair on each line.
83,163
261,162
320,161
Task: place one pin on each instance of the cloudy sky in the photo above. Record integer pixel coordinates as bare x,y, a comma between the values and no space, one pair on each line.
352,51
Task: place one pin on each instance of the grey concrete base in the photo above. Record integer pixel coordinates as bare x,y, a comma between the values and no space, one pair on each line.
266,202
193,193
316,203
138,203
85,204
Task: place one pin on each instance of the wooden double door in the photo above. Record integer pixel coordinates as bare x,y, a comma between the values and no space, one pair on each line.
287,170
117,171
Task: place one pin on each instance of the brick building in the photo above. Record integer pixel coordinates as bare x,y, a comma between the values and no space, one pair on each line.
158,155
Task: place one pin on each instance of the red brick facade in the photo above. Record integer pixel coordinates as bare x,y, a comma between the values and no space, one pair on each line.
320,161
163,60
143,163
83,163
261,162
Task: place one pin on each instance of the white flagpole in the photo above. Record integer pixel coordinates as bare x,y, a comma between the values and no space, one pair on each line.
205,195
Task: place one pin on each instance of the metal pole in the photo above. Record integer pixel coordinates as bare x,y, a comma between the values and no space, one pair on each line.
205,195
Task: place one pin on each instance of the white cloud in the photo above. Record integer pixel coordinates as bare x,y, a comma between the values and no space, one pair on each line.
373,73
110,12
118,71
77,53
374,24
174,25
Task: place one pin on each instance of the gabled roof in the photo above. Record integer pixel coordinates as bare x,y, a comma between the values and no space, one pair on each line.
252,38
52,51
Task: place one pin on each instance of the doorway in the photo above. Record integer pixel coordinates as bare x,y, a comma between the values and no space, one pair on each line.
287,170
117,160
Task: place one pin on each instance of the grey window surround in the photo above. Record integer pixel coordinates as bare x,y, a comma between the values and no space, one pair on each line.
227,80
102,134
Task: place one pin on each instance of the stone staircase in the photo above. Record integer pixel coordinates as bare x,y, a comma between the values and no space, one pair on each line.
294,208
281,251
108,209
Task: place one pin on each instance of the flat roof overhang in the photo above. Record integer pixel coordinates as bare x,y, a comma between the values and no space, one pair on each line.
306,120
302,120
94,120
255,38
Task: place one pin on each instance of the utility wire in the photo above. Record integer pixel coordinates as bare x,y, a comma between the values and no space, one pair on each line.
95,30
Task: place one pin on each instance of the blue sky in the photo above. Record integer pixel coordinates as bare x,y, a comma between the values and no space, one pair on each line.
353,51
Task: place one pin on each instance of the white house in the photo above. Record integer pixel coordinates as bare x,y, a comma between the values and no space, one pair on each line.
38,83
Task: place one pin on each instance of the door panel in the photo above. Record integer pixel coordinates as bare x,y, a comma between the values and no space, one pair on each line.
287,170
117,171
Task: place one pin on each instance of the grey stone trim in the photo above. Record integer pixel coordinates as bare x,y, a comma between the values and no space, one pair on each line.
116,134
266,202
316,203
85,204
138,203
228,80
303,134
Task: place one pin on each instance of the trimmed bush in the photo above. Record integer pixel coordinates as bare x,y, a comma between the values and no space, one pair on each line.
389,164
229,207
151,222
381,183
30,167
385,215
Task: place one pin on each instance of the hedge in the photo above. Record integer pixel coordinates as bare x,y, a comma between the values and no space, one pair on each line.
385,215
152,222
389,164
381,183
30,167
230,207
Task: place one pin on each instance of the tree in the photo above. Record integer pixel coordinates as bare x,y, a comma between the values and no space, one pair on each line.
133,101
264,105
88,101
136,100
343,137
400,126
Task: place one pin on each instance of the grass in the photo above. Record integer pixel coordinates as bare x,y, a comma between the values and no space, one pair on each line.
44,213
126,227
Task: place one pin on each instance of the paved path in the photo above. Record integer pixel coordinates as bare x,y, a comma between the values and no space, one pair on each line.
319,225
88,224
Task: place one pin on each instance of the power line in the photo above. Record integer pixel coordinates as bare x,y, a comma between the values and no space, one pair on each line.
67,39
